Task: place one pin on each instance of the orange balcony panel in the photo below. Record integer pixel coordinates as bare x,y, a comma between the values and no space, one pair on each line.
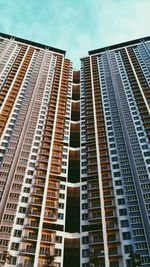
56,170
52,194
51,205
37,192
50,216
31,237
48,239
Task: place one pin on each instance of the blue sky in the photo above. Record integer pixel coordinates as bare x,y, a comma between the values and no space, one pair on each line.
76,25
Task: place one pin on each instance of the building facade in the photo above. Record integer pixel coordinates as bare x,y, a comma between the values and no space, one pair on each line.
74,156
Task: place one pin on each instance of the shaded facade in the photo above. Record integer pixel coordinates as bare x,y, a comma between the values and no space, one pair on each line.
74,156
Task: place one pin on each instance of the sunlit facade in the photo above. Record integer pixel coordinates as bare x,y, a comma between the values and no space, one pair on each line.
74,156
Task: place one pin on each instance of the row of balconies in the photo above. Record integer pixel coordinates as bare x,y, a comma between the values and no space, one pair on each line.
52,194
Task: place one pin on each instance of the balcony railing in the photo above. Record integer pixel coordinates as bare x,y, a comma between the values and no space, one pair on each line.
30,236
30,250
50,215
52,194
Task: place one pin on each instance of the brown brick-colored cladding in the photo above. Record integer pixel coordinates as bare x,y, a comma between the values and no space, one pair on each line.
89,121
135,88
16,85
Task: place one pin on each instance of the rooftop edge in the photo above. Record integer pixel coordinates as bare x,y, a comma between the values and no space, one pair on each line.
22,40
111,47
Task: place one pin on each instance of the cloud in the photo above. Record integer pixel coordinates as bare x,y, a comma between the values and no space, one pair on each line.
76,26
122,20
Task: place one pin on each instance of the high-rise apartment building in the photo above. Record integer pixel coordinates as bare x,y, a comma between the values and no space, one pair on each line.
74,156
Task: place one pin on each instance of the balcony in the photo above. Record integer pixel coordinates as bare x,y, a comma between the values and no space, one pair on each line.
99,253
41,166
37,192
95,240
53,185
44,152
32,224
53,205
26,263
52,194
57,155
50,215
46,251
32,237
55,170
45,145
92,170
43,159
111,225
56,162
48,239
34,213
94,205
57,148
41,174
28,250
93,195
93,186
108,194
38,183
94,216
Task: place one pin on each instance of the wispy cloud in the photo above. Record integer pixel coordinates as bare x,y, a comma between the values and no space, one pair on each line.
76,26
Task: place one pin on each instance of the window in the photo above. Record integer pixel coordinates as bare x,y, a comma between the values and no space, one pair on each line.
62,187
28,181
4,242
84,196
85,216
118,182
112,237
84,187
26,189
5,229
141,245
138,232
24,199
85,240
117,174
60,216
58,252
62,196
15,246
113,251
85,253
121,201
20,221
11,206
115,166
17,233
119,191
61,205
58,239
124,223
126,235
114,264
9,217
136,220
22,210
128,248
84,206
114,159
122,212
